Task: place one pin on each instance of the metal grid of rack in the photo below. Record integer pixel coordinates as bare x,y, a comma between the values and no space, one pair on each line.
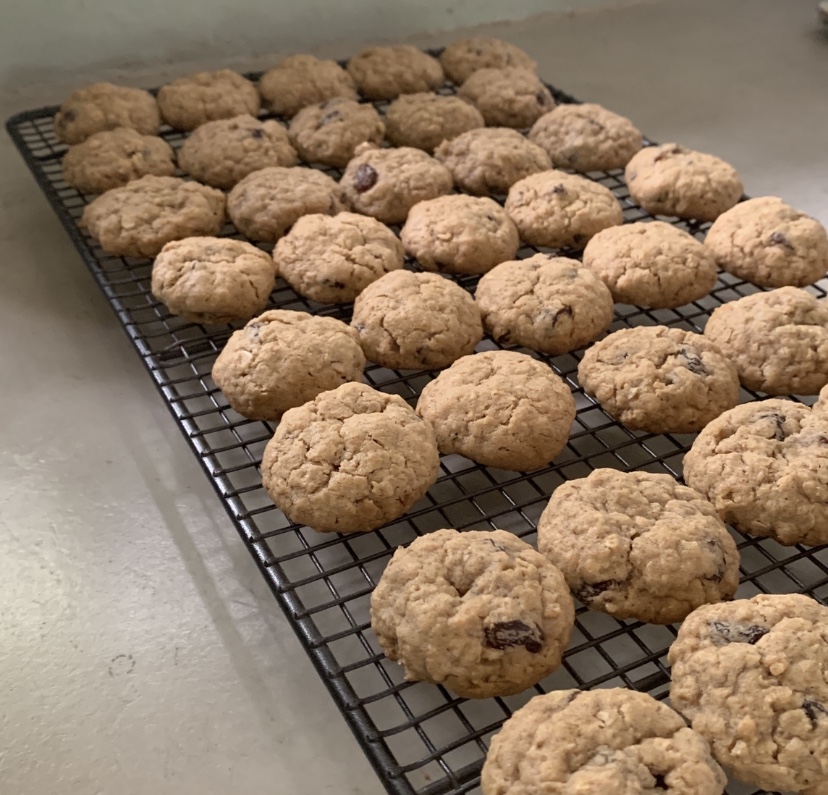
419,738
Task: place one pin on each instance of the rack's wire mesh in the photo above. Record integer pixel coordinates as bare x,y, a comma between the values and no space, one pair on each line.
419,738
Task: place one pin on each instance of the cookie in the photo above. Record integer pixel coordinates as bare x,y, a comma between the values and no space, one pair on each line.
221,153
548,304
659,379
213,279
638,545
332,259
586,137
104,106
424,121
499,408
651,264
750,678
601,742
558,210
350,460
416,321
463,57
266,203
387,183
509,97
822,402
302,80
387,72
764,466
138,219
489,161
329,132
479,612
769,243
459,234
778,340
111,158
282,359
195,99
672,180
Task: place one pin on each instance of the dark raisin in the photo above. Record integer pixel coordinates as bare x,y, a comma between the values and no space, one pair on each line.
542,97
504,338
365,178
491,218
813,709
506,634
590,590
560,189
665,153
68,115
597,125
257,132
721,566
692,361
738,633
552,315
660,781
131,152
497,546
328,118
778,239
779,432
359,327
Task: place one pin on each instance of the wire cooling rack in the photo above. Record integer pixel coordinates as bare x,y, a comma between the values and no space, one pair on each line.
419,738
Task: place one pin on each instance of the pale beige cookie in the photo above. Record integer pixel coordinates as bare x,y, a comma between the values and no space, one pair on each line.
387,72
479,612
651,264
283,359
330,132
499,408
387,183
332,259
301,80
266,204
639,545
659,379
601,742
750,678
463,57
560,210
778,340
138,219
822,402
416,321
764,466
459,234
111,158
489,161
672,180
424,121
548,304
105,106
510,97
769,243
221,153
350,460
586,137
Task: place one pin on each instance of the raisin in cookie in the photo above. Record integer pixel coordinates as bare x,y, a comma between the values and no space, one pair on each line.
424,121
764,466
266,203
387,72
105,106
332,259
387,183
601,742
479,612
416,321
778,340
558,210
301,80
283,359
490,161
639,545
350,460
672,180
463,57
659,379
750,678
213,279
499,408
769,243
330,132
459,234
548,304
111,158
138,219
651,264
586,137
510,97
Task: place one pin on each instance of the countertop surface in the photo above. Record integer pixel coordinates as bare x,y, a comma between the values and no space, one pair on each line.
140,651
